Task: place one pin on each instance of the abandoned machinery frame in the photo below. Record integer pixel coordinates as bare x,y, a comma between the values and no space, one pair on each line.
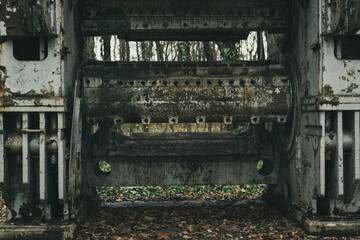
61,112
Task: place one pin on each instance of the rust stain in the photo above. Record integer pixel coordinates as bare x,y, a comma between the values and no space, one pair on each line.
351,72
349,89
327,90
3,76
37,102
334,101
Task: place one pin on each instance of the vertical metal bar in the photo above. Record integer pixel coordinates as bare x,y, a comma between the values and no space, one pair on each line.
42,157
322,155
25,150
356,145
61,156
2,150
339,154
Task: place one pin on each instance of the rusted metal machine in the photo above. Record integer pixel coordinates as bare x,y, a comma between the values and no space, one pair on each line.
62,113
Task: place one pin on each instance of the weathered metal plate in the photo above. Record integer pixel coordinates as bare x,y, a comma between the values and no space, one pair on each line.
190,20
181,170
162,90
183,158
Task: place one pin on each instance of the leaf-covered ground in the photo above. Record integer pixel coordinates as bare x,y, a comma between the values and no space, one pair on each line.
204,192
251,221
224,221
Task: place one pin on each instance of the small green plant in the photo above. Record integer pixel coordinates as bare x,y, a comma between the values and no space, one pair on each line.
259,165
182,192
105,166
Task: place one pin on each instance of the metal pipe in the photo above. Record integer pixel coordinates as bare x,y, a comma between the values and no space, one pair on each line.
14,144
331,140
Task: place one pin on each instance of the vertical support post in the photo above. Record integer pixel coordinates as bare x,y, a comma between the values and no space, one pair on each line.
2,149
25,149
339,154
356,146
322,155
352,162
61,157
42,157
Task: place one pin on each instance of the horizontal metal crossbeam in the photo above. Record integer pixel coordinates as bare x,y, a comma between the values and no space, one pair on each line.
186,20
184,158
161,90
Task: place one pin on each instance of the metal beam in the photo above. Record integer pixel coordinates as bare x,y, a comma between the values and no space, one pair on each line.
185,20
187,91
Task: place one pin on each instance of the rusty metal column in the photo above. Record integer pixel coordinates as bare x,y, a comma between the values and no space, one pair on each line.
339,154
61,163
43,165
25,149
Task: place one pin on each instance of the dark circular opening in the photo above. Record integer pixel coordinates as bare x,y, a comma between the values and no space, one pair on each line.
242,82
146,120
255,119
265,167
198,82
153,83
231,82
187,82
209,82
253,82
87,81
143,83
201,120
176,83
118,121
173,120
120,83
164,83
131,83
228,120
185,25
220,82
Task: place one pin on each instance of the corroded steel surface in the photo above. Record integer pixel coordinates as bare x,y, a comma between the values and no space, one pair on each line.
186,91
191,20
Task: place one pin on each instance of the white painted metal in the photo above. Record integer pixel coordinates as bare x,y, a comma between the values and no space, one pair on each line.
61,157
322,156
339,154
35,77
356,146
42,158
25,149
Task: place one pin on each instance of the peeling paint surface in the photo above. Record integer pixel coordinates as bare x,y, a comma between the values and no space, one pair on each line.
33,78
